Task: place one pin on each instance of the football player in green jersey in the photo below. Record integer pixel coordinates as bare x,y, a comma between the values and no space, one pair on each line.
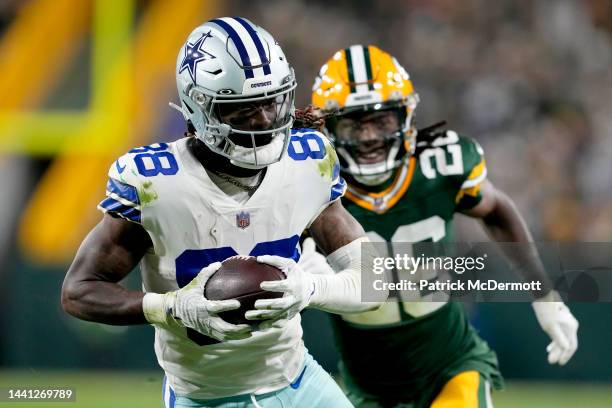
404,187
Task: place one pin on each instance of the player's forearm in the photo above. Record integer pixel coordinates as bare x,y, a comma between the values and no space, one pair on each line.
341,293
103,302
504,223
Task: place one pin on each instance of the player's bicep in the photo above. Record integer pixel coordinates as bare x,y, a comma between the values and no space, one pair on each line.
334,228
488,200
110,251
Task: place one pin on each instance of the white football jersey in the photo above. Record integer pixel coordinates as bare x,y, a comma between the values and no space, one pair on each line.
192,224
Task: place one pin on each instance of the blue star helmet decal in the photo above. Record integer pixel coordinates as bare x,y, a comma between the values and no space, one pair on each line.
194,54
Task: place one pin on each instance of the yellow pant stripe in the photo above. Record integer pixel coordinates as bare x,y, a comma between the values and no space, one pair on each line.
462,391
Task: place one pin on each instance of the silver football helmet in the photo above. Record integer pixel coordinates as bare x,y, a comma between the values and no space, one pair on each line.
227,69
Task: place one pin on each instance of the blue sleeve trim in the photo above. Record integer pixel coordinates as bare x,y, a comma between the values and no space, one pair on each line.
338,189
116,208
336,171
125,191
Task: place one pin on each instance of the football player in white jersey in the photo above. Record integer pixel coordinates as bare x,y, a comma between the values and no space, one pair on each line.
244,184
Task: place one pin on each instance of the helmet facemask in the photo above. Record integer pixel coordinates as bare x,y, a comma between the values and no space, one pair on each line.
251,131
372,158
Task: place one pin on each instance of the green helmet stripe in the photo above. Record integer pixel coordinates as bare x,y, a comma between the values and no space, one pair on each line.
349,68
368,65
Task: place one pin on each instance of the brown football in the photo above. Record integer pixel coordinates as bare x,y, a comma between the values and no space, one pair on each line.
239,278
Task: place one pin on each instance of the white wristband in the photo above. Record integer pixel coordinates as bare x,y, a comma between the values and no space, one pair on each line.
155,308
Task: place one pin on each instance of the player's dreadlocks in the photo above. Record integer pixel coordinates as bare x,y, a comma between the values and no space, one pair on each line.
310,117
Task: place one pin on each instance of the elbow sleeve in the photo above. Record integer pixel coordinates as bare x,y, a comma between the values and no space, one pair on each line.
342,292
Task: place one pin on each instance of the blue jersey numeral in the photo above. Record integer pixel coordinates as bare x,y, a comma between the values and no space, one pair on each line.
300,148
192,261
149,162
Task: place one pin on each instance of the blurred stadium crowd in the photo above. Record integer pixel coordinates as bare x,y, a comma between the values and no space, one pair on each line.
530,80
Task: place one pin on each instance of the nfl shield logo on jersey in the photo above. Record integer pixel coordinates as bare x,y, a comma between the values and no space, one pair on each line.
379,203
243,219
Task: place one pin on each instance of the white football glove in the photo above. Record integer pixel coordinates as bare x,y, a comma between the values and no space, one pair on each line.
312,261
189,308
298,289
561,326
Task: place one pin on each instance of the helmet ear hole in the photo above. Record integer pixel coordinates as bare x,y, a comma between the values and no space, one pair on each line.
200,100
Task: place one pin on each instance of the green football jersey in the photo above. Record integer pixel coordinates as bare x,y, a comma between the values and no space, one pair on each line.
406,351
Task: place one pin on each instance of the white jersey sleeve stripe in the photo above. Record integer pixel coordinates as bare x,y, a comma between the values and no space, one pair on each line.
476,181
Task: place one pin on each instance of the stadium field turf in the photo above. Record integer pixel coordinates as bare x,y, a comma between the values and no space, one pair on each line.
103,389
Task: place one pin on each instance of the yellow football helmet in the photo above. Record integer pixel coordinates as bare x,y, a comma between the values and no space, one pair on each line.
362,80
